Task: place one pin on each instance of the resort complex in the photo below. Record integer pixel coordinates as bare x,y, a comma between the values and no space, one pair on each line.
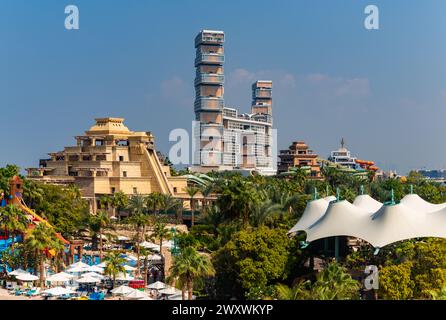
110,158
111,218
225,139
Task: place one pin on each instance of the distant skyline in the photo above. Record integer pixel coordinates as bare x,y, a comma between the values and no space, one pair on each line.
383,91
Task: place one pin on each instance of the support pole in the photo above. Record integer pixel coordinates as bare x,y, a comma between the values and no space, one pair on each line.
337,249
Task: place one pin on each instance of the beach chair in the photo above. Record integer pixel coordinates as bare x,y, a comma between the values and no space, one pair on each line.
36,292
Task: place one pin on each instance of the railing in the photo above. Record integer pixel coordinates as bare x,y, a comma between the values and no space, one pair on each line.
208,38
263,93
210,58
209,103
211,78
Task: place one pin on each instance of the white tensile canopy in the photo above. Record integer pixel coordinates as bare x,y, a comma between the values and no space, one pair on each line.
367,203
129,268
368,219
77,269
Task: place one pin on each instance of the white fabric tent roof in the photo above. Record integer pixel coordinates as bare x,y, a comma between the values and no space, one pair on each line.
373,222
157,285
59,277
58,291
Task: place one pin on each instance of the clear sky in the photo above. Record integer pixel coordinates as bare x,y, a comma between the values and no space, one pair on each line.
384,91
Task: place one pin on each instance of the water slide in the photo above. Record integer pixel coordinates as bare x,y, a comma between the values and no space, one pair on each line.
158,172
39,219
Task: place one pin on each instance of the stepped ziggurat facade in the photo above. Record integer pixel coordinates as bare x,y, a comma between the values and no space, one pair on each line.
110,158
223,139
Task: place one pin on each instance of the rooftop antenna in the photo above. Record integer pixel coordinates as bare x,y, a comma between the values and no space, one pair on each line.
315,195
362,190
342,143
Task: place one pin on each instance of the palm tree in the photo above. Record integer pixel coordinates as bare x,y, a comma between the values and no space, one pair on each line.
139,221
114,265
206,191
137,205
188,266
213,217
192,192
264,211
40,239
98,223
298,292
146,252
119,201
154,201
160,232
14,220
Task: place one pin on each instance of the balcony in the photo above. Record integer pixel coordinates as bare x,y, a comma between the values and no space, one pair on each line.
210,58
209,103
264,93
210,38
209,78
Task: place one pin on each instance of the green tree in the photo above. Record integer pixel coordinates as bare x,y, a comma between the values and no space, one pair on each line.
14,220
192,192
114,265
40,239
189,266
395,282
252,258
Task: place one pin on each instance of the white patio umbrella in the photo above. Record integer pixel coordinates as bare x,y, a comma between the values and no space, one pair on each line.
94,275
18,272
123,238
78,269
101,265
96,269
79,264
124,277
58,291
88,279
27,277
122,290
149,245
136,294
130,258
154,257
157,285
59,277
170,291
129,268
168,244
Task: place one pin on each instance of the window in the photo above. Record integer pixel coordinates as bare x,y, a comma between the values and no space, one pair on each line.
175,189
121,158
135,190
124,174
113,190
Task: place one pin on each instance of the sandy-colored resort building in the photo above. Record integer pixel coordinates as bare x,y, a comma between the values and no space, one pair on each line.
299,155
224,139
110,158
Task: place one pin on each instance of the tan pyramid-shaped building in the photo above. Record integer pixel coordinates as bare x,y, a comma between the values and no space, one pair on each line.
107,159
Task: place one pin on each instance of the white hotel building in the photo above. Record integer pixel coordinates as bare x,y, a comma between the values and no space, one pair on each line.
224,139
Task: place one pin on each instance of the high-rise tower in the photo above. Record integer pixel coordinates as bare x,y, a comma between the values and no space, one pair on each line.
209,102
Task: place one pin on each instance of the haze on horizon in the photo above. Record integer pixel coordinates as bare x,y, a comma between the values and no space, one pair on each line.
384,91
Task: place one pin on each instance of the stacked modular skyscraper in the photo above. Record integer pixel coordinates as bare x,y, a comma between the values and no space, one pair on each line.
223,138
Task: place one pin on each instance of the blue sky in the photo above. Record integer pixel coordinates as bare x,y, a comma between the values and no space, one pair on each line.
384,91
